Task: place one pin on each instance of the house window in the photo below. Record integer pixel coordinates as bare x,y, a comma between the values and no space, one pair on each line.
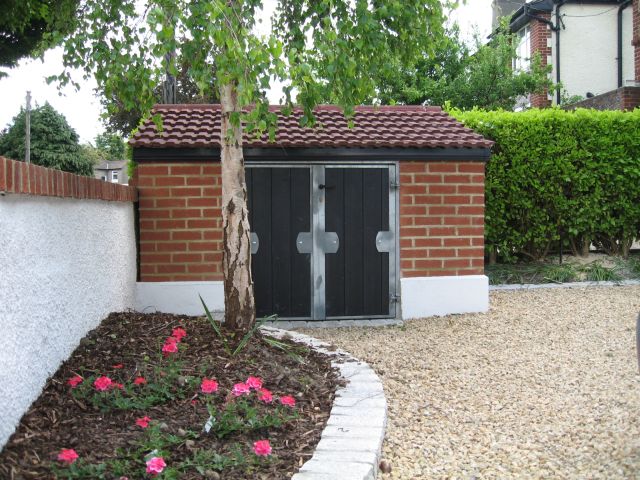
103,177
522,62
114,177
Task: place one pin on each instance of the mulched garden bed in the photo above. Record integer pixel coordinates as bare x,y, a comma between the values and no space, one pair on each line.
105,428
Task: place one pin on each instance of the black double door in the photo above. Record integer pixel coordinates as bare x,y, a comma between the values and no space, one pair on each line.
322,241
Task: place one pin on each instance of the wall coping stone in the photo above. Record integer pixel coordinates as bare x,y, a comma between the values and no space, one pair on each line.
28,179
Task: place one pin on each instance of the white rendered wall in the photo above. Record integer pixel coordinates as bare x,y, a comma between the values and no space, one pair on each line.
628,61
65,264
589,48
428,296
182,298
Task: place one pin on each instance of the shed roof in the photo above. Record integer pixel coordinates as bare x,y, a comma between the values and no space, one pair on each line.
198,126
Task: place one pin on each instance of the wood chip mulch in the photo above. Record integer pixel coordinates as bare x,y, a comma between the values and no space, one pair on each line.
57,420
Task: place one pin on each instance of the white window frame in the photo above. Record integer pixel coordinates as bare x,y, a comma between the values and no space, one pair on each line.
522,62
114,176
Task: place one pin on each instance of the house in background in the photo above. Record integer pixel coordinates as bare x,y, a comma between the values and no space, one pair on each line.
114,171
592,46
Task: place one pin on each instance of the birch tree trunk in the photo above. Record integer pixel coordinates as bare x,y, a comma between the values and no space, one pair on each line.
240,311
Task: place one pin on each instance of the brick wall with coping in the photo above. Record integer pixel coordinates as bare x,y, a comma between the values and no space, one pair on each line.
441,218
540,38
29,179
180,221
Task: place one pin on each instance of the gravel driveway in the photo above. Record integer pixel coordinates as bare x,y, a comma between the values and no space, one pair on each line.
545,385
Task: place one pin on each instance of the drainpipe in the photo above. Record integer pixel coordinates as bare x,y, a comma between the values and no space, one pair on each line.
620,9
558,22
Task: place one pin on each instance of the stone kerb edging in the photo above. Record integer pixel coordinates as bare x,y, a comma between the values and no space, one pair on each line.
351,443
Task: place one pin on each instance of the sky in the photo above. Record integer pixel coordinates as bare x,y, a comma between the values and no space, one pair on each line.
82,108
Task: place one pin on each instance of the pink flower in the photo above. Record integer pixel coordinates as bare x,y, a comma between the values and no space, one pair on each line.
169,347
209,385
67,455
241,389
262,448
155,465
194,402
265,395
117,385
179,333
143,422
117,366
254,383
74,381
103,383
140,381
288,400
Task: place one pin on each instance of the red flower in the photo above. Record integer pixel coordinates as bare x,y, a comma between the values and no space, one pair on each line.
117,385
170,346
117,366
262,448
208,385
140,381
179,333
255,383
74,381
241,389
265,395
194,402
155,465
288,400
143,422
68,455
103,383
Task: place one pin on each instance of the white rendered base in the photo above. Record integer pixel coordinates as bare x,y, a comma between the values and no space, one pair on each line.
180,297
429,296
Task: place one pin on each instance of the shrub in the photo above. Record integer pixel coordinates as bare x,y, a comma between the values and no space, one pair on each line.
559,175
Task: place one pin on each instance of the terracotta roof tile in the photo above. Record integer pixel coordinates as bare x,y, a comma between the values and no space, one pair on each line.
196,126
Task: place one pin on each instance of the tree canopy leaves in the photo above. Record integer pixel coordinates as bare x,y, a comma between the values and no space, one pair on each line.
481,77
25,25
54,144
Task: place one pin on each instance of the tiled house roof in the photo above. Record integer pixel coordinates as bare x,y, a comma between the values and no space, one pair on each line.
198,126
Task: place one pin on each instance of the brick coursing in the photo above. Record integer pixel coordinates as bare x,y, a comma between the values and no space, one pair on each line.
540,37
180,221
624,98
29,179
441,218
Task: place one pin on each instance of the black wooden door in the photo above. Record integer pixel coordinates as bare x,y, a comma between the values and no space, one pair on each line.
279,209
357,209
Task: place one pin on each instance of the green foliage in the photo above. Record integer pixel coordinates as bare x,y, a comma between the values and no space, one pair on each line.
25,26
111,145
247,415
482,77
596,272
557,174
320,49
54,144
560,273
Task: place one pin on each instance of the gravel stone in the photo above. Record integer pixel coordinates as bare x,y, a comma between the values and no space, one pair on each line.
544,385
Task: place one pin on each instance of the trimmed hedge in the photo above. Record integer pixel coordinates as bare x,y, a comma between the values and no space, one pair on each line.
560,175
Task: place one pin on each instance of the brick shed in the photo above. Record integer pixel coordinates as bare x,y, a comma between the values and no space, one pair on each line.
382,220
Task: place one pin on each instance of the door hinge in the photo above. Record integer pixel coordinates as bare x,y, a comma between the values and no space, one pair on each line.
393,298
394,185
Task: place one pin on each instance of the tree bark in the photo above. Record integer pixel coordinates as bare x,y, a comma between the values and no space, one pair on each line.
239,304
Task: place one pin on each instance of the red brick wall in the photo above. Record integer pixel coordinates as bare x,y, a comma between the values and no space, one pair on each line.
540,34
30,179
441,218
180,221
636,37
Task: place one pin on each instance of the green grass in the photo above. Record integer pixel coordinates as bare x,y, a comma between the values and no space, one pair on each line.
596,272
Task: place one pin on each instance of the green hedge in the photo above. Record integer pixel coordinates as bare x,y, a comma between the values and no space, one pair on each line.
555,174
